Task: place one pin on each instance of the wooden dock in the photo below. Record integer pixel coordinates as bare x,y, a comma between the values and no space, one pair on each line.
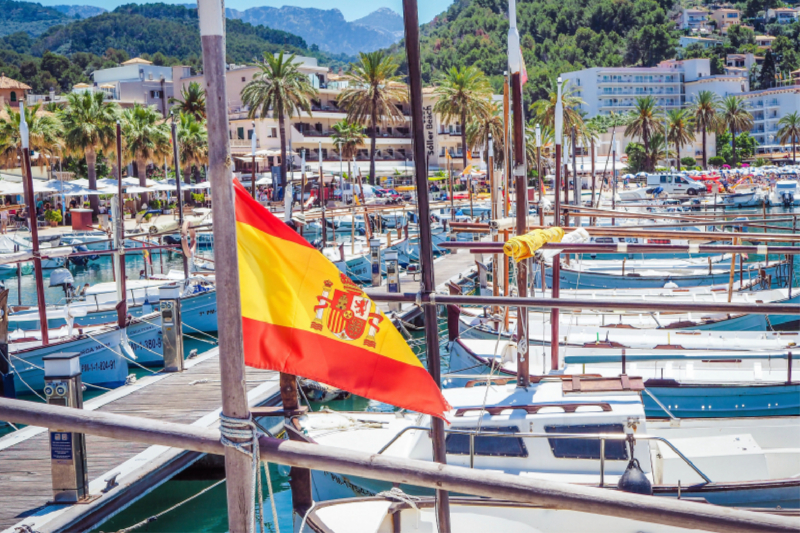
191,397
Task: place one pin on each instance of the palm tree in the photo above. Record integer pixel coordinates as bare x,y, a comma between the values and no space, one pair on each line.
464,95
659,147
645,122
193,101
89,125
705,116
480,128
192,146
373,93
348,137
544,110
789,132
735,116
44,133
279,86
548,143
680,131
147,137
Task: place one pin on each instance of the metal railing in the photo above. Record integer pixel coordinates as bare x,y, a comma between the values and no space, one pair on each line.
603,437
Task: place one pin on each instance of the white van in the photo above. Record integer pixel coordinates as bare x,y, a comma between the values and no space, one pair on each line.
675,183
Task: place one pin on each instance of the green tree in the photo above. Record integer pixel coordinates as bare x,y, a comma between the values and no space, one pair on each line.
192,101
531,152
89,125
645,122
348,137
734,115
544,110
146,138
705,109
464,95
278,87
739,36
651,44
637,157
766,76
44,134
192,146
479,129
680,131
789,132
372,94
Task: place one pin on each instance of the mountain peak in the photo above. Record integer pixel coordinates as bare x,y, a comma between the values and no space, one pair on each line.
383,19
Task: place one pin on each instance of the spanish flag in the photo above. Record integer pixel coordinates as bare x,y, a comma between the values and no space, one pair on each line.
302,316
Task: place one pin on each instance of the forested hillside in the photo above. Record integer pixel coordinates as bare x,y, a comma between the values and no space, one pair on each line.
557,36
165,34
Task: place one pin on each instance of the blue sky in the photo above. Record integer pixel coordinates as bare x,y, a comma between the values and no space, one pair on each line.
351,9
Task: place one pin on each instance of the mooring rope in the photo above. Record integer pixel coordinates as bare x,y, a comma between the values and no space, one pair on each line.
232,430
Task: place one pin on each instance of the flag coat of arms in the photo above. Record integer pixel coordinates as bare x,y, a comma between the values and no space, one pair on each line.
302,316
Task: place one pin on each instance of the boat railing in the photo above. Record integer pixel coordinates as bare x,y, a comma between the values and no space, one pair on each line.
602,437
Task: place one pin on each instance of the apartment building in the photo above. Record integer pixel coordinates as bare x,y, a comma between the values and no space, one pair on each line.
764,41
313,134
139,81
768,107
725,18
783,15
694,19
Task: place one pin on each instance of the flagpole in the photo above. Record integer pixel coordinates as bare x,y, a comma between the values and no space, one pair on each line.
238,465
520,171
557,138
411,22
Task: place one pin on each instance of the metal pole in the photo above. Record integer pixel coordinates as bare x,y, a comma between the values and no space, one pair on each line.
558,138
523,376
576,194
253,146
555,293
303,182
177,182
238,466
119,234
30,200
411,22
506,146
614,179
539,173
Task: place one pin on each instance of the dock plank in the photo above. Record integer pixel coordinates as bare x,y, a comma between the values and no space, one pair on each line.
25,484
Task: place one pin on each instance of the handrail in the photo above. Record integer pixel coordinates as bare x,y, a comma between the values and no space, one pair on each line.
601,436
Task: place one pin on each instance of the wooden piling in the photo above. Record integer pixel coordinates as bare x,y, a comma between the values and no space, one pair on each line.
411,23
238,466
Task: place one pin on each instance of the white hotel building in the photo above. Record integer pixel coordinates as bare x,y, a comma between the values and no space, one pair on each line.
674,84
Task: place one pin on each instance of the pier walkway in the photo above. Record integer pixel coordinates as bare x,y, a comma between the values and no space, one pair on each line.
190,397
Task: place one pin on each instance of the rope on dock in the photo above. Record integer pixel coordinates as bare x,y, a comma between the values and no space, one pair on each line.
19,375
123,355
236,432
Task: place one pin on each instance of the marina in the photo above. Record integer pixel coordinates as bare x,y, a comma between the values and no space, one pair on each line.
452,301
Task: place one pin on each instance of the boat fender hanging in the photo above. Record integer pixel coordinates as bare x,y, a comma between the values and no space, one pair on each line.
634,480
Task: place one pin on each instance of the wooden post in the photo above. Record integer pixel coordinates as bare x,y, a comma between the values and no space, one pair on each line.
497,270
177,181
731,275
594,176
6,378
238,466
411,22
27,181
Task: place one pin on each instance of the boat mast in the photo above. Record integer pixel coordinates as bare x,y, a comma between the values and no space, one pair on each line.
30,200
520,171
411,22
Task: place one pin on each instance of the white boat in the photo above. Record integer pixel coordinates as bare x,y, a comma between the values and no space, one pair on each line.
786,193
553,431
401,514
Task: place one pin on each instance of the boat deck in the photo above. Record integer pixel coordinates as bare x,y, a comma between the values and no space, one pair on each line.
190,397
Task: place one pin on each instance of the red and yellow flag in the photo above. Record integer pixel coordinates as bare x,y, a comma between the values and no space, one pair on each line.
302,316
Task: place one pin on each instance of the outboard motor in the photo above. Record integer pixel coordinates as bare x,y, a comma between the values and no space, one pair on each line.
788,199
173,240
61,277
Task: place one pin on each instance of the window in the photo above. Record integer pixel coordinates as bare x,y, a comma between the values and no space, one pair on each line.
244,79
240,133
616,450
13,96
273,132
250,134
488,446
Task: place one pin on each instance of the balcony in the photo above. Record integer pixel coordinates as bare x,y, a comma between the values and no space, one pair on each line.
243,145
